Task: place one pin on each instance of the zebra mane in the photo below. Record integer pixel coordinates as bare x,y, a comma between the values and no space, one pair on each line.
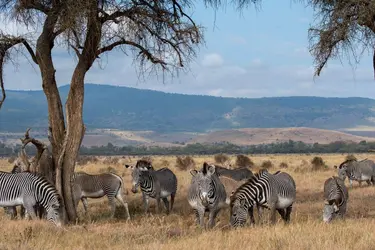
144,163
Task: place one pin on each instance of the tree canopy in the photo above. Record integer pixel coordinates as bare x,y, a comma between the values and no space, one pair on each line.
342,29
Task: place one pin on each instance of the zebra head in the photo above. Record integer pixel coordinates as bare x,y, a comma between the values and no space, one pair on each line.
204,182
54,210
137,171
342,170
330,211
238,211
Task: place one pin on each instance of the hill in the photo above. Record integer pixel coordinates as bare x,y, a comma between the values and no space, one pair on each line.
133,109
253,136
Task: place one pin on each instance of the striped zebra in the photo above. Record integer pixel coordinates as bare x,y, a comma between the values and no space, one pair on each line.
157,184
273,191
12,211
206,194
335,199
96,186
28,189
357,170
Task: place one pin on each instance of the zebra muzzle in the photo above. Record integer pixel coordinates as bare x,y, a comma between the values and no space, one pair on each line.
134,190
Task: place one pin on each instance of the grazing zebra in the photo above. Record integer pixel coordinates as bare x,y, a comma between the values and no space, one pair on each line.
12,211
273,191
206,194
157,184
357,170
28,189
237,174
335,199
96,186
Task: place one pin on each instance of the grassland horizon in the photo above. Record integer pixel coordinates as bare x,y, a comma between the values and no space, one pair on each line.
179,231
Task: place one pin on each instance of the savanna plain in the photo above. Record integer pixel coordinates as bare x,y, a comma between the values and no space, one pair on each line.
178,230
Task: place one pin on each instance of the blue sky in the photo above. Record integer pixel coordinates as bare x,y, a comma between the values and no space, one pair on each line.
252,54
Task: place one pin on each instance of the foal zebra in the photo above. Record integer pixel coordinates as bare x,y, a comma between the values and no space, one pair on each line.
273,191
157,184
335,199
96,186
206,194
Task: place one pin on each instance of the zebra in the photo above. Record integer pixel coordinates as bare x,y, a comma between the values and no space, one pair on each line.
357,170
237,174
206,194
157,184
96,186
29,189
273,191
335,199
12,211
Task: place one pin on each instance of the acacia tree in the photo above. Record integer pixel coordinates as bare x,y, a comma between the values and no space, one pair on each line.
342,29
159,34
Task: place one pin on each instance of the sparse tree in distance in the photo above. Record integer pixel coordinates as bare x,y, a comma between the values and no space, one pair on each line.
160,35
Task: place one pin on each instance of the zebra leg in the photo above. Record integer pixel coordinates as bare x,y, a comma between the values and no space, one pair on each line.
212,217
166,203
30,212
273,214
84,203
172,200
112,204
360,183
287,214
22,212
350,183
124,203
251,214
199,213
145,202
260,214
368,182
282,213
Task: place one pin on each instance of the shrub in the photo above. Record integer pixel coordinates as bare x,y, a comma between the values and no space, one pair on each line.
108,169
221,158
283,165
165,163
244,161
184,163
266,164
111,160
350,158
318,163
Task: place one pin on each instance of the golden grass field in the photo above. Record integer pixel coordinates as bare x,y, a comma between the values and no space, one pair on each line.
179,231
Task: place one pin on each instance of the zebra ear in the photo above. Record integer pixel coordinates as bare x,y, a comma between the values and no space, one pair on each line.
193,172
211,169
242,202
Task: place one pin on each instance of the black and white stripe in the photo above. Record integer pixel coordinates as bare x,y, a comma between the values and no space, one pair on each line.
156,184
28,189
264,190
96,186
357,170
206,194
336,197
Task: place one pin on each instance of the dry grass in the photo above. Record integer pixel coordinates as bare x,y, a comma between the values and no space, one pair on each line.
178,230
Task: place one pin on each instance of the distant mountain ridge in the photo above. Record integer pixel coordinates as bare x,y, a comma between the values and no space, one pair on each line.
133,109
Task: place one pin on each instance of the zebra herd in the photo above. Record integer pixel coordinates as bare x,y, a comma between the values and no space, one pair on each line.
206,193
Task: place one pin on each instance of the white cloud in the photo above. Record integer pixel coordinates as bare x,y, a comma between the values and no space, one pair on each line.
213,60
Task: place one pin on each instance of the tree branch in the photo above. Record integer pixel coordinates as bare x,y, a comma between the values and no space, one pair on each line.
142,49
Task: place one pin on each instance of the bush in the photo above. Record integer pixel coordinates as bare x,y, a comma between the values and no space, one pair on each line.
318,163
165,163
266,164
111,160
283,165
221,158
244,161
184,163
108,169
350,158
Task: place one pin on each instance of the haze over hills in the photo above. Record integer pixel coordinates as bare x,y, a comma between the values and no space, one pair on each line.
145,116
